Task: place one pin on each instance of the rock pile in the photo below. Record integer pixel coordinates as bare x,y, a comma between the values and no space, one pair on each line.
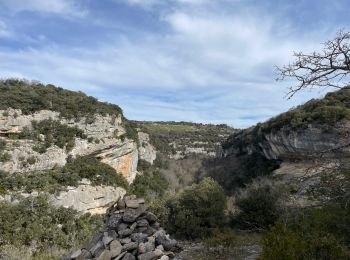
131,232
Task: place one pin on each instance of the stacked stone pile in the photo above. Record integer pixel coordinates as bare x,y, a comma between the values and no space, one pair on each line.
131,232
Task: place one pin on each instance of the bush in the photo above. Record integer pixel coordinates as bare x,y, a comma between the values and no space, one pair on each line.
96,171
55,180
34,222
143,165
31,160
260,205
57,134
2,145
322,233
197,211
149,185
5,157
32,97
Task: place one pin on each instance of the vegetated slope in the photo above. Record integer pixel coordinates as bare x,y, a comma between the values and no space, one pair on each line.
182,147
33,97
52,138
319,125
43,126
178,139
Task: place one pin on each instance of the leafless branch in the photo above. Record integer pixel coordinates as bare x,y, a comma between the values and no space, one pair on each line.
327,68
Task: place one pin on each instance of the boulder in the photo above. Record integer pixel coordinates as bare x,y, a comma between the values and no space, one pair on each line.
116,248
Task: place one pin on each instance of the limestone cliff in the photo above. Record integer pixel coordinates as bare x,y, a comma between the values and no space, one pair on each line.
106,131
287,145
84,198
318,126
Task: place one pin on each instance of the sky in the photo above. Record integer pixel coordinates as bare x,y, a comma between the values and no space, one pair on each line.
208,61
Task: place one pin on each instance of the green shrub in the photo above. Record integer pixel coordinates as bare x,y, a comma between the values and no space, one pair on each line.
31,160
57,134
149,185
55,180
322,233
143,165
2,145
34,222
32,97
5,157
96,171
197,211
130,129
260,205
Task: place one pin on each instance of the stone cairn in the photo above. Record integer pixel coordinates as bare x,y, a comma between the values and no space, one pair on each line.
131,232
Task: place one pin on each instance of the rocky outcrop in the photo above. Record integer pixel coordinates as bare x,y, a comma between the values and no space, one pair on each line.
147,151
131,232
103,141
289,145
12,120
86,198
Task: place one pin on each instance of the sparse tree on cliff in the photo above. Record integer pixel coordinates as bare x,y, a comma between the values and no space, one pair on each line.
329,67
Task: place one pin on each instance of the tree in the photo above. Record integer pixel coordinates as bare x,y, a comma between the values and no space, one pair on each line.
197,211
329,67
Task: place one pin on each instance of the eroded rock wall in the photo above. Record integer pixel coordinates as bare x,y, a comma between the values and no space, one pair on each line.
120,153
289,145
87,198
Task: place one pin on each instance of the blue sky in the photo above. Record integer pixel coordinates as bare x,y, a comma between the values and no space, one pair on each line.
209,61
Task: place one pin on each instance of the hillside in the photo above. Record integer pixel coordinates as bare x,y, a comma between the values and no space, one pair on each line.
183,147
295,146
52,139
66,157
180,139
317,126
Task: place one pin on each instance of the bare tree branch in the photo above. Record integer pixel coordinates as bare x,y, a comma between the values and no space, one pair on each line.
327,68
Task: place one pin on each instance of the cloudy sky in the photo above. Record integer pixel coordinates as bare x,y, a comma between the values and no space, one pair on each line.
206,61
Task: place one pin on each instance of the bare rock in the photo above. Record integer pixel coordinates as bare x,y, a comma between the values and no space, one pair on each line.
115,248
134,204
105,255
128,256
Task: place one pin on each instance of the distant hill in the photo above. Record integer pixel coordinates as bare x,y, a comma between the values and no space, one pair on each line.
180,139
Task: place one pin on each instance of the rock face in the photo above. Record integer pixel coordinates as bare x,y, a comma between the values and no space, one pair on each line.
86,198
130,232
106,131
287,145
147,151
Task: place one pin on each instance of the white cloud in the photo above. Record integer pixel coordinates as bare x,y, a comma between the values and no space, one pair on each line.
167,3
4,31
228,57
61,7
